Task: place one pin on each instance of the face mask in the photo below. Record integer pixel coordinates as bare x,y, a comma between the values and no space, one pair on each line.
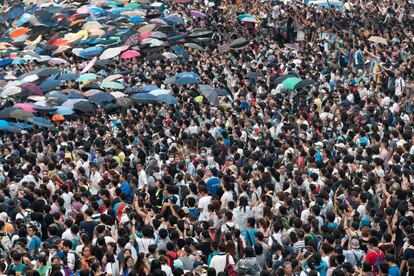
187,161
203,155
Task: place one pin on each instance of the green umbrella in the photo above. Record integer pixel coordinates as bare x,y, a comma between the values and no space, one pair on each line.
132,6
112,85
290,83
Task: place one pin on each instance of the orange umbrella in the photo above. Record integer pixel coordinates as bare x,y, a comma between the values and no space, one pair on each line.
57,117
19,32
59,42
79,21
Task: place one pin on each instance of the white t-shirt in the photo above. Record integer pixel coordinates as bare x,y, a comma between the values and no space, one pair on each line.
399,86
203,204
219,262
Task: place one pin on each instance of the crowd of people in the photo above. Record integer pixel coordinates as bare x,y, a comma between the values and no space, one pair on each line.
265,181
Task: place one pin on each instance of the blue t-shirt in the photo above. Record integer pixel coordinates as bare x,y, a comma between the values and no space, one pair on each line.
125,188
34,245
393,271
249,236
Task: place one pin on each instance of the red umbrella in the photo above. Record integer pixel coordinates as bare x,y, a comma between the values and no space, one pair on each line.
130,54
33,88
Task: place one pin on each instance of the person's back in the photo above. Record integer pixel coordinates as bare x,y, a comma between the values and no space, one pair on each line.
218,262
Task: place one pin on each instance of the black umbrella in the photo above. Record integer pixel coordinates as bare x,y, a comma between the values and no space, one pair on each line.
239,42
280,79
221,92
155,57
84,106
200,33
5,113
102,98
304,83
112,108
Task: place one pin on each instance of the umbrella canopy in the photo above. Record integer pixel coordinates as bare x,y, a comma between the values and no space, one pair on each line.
180,51
168,99
43,107
293,47
5,113
63,110
91,52
111,53
130,54
84,106
124,101
86,77
49,85
10,91
304,83
239,42
198,14
112,85
39,121
58,118
194,46
290,83
32,88
378,40
25,106
159,92
118,94
89,65
209,93
68,77
186,80
144,98
4,124
20,114
280,79
56,97
102,98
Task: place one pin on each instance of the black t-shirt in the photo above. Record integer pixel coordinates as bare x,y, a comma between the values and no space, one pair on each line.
205,247
88,227
408,254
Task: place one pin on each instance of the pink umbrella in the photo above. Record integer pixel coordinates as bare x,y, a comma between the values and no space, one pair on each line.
25,106
33,88
90,65
145,35
198,14
130,54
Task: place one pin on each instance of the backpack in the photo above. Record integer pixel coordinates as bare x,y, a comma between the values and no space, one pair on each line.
229,268
377,262
171,256
26,218
78,263
358,261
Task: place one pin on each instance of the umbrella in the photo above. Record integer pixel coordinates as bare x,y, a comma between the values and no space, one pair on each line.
68,77
18,32
200,33
15,12
32,88
57,118
290,83
124,101
378,40
149,88
56,97
221,92
49,85
280,79
10,91
144,97
39,121
113,77
43,107
159,92
294,47
180,51
5,113
118,94
304,83
155,57
5,62
75,95
25,106
84,106
57,61
186,80
4,124
187,74
170,55
112,85
102,98
86,77
111,53
63,110
91,52
147,28
89,65
168,99
130,54
133,40
92,92
209,93
239,42
249,20
174,20
254,75
159,35
20,114
194,46
198,14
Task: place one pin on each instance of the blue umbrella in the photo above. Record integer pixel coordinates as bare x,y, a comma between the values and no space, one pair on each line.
15,12
39,121
168,99
144,97
44,108
63,110
187,74
22,125
180,51
177,37
5,62
74,95
102,98
4,124
186,80
173,20
56,97
136,19
91,52
86,77
149,88
49,85
68,77
97,10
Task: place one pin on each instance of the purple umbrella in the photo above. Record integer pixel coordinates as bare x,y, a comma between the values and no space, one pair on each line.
198,14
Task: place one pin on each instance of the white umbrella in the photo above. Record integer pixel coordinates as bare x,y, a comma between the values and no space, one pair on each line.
118,94
158,92
111,53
